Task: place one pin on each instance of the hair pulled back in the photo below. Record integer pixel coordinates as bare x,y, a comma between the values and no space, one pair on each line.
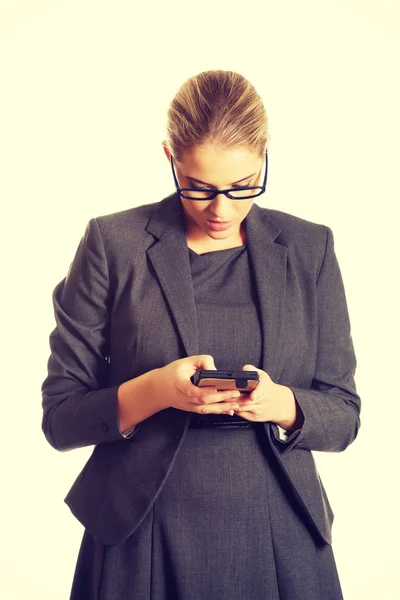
221,108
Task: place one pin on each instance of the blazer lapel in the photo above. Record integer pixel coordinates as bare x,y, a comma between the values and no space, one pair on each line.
170,259
268,261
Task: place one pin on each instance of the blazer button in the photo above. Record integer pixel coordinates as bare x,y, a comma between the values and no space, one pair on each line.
104,427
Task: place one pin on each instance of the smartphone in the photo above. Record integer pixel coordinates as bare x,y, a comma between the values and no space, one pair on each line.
244,381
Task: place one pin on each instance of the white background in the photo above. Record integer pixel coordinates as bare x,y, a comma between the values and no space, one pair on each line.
85,87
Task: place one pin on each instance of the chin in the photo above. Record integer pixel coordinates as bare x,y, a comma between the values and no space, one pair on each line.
219,235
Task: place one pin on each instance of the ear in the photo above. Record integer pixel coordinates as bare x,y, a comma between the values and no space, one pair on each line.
166,150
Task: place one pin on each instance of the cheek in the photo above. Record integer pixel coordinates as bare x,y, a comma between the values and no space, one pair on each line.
192,210
242,211
199,212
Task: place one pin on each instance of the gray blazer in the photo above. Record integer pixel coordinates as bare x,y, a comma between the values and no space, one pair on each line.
127,306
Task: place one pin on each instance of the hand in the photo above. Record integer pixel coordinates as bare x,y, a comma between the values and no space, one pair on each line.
173,384
270,401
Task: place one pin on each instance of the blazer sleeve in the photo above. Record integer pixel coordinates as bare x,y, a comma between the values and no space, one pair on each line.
331,407
78,407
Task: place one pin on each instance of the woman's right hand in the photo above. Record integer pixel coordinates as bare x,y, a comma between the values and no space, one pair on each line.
173,383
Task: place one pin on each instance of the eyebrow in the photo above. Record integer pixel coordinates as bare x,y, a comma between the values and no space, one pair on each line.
204,183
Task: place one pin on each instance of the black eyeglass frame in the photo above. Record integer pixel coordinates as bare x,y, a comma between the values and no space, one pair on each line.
214,194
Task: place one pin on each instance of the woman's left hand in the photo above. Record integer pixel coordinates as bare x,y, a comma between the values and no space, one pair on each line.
270,401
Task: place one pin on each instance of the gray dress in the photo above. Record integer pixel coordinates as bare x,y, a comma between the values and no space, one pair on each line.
218,529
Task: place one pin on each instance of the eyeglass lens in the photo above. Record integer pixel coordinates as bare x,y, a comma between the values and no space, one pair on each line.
204,194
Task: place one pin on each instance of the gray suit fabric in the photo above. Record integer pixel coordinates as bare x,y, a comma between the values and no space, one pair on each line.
252,545
127,306
227,308
218,529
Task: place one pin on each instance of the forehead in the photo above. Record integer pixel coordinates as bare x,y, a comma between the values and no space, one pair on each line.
219,166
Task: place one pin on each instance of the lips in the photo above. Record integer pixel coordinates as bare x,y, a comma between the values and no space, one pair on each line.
219,225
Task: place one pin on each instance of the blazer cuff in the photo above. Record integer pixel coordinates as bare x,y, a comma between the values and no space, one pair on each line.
284,436
128,433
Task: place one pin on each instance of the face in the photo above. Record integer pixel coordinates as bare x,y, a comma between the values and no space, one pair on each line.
209,167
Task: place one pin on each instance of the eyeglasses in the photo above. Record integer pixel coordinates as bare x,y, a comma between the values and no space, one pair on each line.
237,193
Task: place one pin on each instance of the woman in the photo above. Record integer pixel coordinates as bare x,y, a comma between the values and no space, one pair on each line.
190,492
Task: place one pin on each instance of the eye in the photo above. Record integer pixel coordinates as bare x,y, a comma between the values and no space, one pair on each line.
245,184
199,187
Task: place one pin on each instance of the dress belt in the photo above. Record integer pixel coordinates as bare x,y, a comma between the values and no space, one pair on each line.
226,421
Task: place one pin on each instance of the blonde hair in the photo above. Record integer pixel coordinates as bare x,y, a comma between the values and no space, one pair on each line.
220,108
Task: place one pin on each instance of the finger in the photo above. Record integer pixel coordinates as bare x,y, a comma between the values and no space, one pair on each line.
248,403
246,415
250,368
194,392
217,408
204,361
204,390
247,399
213,398
244,396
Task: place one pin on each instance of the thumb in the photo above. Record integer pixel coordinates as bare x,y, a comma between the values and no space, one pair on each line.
205,361
250,368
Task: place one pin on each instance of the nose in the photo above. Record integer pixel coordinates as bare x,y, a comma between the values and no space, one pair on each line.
221,206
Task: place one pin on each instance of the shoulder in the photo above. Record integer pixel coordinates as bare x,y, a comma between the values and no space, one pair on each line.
294,229
136,217
121,233
308,243
306,237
